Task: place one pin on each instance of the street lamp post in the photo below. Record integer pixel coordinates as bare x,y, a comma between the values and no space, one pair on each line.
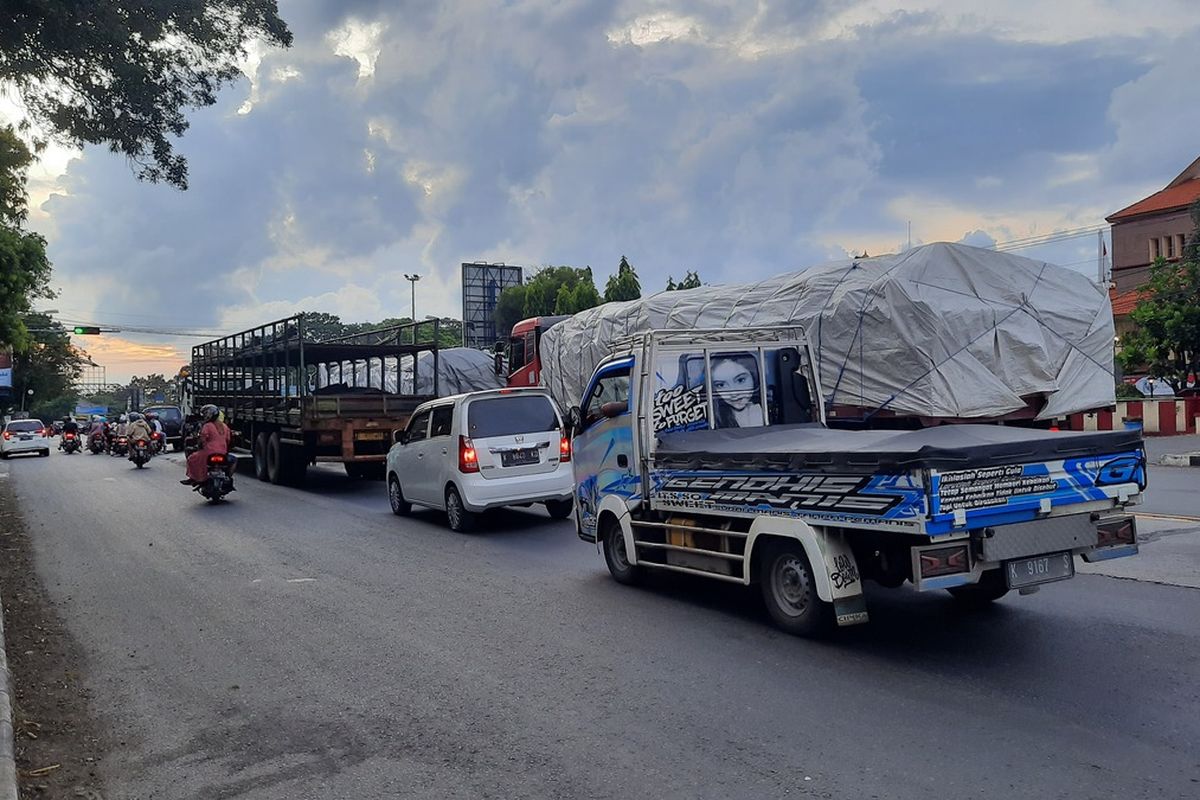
412,279
28,392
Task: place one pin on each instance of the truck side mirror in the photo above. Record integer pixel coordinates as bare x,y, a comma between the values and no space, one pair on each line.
574,421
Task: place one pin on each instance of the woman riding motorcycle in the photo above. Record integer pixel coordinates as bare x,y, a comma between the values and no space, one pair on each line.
137,428
215,438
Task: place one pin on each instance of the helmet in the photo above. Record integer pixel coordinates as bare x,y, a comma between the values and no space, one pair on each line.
96,417
134,416
123,418
151,416
209,413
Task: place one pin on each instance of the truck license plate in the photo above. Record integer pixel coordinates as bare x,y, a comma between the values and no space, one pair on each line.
519,458
370,436
1039,569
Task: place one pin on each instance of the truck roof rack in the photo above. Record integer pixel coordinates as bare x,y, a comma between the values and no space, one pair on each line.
759,335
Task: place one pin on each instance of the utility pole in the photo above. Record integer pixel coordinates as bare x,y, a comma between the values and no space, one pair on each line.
412,279
1101,266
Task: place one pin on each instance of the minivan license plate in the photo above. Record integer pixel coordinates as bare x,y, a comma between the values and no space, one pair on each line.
519,458
1039,569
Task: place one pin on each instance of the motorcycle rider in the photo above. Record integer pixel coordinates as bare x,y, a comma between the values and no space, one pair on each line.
137,428
99,427
69,425
215,438
156,426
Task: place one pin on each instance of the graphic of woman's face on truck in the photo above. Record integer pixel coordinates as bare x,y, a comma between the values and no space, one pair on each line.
736,391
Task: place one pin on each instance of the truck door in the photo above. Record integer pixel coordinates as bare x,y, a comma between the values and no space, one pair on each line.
603,457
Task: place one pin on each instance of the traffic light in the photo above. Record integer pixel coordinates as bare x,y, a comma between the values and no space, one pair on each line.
87,330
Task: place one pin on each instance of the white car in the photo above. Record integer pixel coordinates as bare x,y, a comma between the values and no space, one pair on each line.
24,436
472,452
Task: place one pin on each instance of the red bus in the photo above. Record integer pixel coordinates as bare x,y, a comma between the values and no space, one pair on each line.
525,350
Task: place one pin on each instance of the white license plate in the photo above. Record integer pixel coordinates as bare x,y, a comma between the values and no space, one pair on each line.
26,438
1039,569
519,458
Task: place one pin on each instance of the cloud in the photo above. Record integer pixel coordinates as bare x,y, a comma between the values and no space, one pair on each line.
739,140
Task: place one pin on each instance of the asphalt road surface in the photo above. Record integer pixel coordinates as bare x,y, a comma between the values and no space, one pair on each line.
308,644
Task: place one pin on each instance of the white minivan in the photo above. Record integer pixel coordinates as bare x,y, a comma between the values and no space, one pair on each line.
473,452
24,436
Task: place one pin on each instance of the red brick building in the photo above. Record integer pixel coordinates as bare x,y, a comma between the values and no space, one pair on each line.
1155,226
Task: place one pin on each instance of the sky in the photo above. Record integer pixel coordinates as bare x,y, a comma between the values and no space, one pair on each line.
740,140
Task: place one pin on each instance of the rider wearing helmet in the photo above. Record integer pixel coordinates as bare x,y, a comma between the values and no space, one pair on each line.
156,425
138,428
69,425
215,438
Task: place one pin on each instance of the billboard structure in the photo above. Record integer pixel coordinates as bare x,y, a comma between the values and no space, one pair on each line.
6,374
482,284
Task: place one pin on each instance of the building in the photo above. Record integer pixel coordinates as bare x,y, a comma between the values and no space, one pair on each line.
1153,227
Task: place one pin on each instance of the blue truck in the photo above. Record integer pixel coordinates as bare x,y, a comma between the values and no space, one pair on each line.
706,452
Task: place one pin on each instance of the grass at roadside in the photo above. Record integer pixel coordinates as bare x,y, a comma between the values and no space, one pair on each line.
58,743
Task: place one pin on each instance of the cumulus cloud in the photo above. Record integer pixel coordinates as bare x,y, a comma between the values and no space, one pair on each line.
739,140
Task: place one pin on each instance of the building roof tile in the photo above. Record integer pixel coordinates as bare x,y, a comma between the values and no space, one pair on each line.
1125,302
1173,197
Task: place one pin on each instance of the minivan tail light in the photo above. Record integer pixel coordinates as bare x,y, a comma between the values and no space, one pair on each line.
564,449
468,459
7,435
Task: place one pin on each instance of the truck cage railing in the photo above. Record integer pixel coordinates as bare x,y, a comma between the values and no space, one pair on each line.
706,336
274,372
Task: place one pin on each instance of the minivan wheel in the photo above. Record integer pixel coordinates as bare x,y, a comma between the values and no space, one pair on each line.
559,509
400,506
461,520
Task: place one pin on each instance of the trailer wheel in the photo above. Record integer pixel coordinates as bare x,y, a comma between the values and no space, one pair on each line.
259,451
789,590
461,520
991,587
615,555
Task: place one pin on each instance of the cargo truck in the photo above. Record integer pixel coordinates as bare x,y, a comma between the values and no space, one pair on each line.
706,452
294,400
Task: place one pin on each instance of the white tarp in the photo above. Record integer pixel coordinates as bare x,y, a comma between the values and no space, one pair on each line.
460,369
943,330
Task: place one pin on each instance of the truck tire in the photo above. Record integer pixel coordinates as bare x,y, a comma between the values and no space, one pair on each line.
559,509
991,587
400,506
789,590
615,555
274,459
461,520
259,452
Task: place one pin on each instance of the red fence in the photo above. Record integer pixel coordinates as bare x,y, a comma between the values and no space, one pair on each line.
1159,417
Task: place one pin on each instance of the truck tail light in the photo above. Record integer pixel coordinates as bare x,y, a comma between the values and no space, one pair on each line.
945,561
1116,532
564,449
468,459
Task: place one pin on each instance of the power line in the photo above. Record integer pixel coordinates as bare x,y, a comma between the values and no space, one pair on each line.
1050,238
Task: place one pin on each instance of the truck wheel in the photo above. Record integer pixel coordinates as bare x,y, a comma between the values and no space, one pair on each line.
991,587
400,506
789,590
259,452
461,520
615,554
559,509
274,459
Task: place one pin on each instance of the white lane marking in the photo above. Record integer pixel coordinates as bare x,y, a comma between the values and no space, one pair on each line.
300,580
114,480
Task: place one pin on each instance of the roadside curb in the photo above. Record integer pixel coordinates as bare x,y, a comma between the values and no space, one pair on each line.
8,763
1180,460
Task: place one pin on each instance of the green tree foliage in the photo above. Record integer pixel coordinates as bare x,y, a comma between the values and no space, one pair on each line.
691,280
1166,340
49,366
551,290
123,72
24,267
624,285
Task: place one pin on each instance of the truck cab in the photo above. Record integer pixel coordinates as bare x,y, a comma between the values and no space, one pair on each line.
706,452
524,350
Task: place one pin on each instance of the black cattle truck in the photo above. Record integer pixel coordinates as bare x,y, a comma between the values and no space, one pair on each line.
295,399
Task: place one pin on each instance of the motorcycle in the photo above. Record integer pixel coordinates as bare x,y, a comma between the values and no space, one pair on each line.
69,443
120,446
139,452
219,481
158,443
96,443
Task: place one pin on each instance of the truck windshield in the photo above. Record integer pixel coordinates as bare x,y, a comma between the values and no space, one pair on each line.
506,416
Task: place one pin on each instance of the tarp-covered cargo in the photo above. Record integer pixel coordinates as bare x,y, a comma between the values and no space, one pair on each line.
943,330
459,370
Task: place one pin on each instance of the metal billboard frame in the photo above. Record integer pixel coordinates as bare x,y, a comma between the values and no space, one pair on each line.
482,284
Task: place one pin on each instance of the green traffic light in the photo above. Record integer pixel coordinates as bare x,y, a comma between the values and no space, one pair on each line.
87,330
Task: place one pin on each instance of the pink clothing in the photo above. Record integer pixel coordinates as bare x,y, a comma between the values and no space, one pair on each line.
215,437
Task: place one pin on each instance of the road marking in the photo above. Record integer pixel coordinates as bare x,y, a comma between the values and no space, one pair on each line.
1171,517
300,580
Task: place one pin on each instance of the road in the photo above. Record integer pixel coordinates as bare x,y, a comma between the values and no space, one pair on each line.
308,644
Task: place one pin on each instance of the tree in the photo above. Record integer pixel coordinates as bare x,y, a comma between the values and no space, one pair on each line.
24,267
624,285
690,281
49,366
510,309
1166,340
551,290
580,297
124,72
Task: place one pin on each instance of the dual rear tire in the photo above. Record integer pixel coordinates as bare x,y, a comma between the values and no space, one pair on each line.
276,462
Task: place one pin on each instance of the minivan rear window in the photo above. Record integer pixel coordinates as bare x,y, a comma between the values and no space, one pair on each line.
506,416
24,426
165,412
